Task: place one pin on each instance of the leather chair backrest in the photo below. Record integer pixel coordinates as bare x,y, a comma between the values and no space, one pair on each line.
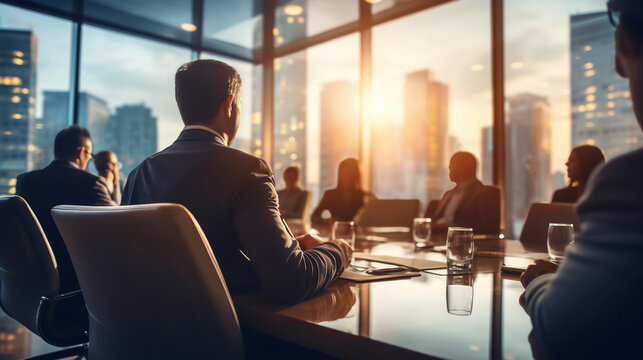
27,264
534,232
151,283
388,212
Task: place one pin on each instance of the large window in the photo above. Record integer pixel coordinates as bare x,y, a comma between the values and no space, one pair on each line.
562,91
126,96
431,97
316,116
34,60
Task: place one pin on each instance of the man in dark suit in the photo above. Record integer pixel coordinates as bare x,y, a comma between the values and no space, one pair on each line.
64,181
470,203
232,194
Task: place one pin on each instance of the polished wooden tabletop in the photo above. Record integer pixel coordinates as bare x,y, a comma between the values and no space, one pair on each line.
408,318
404,318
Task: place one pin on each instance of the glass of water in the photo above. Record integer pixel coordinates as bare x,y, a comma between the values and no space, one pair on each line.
459,248
460,294
422,231
344,230
559,237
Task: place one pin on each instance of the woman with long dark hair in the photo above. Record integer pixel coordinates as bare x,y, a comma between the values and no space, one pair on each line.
580,165
345,200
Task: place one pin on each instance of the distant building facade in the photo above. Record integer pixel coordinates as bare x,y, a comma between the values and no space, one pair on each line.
136,132
528,157
601,101
18,63
339,135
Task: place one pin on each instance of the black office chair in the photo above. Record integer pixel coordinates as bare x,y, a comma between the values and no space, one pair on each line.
152,285
534,232
29,283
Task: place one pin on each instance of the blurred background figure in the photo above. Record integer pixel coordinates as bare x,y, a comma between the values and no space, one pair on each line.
580,165
346,199
470,203
108,169
293,200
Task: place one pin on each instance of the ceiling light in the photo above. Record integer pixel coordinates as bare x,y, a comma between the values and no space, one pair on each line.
293,10
188,27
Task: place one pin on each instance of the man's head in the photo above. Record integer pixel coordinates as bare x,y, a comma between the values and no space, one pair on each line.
628,16
74,144
105,161
462,167
291,176
208,93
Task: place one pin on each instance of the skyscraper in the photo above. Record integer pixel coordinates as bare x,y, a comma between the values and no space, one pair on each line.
528,157
601,101
136,134
339,129
486,163
387,146
426,135
18,61
93,114
289,140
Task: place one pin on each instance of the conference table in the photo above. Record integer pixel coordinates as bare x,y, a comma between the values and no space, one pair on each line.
408,318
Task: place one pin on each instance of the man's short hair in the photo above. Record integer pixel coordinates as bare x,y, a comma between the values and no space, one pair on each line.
292,170
68,141
101,160
631,16
466,162
201,87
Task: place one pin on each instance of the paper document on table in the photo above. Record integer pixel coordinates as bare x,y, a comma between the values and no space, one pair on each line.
356,275
412,263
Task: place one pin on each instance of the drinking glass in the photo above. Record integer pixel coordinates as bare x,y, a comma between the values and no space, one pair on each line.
460,294
459,248
344,230
558,237
422,231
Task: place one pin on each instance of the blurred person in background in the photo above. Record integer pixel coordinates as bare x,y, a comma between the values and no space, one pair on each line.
583,160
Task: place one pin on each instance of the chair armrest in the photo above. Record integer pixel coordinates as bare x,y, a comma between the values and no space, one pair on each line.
62,319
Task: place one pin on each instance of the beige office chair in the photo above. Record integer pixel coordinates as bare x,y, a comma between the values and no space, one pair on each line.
388,213
151,283
534,232
29,282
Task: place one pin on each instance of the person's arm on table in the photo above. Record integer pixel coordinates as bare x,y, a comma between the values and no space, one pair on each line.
287,273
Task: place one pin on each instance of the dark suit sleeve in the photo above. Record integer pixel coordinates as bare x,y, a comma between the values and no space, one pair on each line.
99,195
287,273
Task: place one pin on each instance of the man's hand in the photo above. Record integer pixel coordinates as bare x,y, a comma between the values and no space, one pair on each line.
309,241
541,267
346,249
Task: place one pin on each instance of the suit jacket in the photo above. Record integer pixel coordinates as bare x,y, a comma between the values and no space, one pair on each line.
590,307
567,194
232,195
61,183
479,208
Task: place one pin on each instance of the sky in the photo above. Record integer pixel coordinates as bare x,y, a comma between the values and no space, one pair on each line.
452,40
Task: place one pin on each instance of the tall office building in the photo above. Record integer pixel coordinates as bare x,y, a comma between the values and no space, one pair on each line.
426,135
528,157
601,101
387,143
289,140
136,135
18,63
486,162
339,129
93,114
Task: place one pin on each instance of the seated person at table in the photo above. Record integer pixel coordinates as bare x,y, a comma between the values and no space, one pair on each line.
580,165
293,200
63,181
469,203
107,166
232,194
589,309
346,199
